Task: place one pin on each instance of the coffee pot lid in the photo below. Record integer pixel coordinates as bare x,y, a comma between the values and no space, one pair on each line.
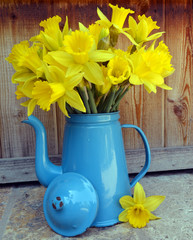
70,204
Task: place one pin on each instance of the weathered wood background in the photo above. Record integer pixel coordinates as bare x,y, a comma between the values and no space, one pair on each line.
166,117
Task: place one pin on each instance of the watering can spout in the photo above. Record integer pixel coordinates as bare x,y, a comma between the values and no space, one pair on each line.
46,171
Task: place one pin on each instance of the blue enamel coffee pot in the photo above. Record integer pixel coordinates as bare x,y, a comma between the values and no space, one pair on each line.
93,175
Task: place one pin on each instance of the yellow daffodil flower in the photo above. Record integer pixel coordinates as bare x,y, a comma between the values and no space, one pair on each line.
17,51
101,36
119,70
138,209
80,55
47,93
151,67
99,33
25,61
24,89
159,59
118,18
61,64
22,56
19,94
52,36
140,32
115,26
95,31
58,88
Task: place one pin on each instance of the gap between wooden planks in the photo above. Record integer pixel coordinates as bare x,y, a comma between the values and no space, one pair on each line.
14,170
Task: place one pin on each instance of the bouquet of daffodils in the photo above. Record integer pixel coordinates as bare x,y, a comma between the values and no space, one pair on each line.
82,70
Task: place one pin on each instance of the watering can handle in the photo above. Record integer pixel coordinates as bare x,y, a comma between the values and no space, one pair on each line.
147,153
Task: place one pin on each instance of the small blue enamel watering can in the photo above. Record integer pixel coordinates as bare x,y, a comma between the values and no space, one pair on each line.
85,190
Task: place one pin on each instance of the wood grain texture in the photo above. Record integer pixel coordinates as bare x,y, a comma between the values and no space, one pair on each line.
162,159
179,102
166,117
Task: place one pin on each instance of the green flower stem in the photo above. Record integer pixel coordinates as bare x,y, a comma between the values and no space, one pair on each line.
69,109
116,105
94,91
101,104
105,102
77,111
84,98
118,93
109,101
91,100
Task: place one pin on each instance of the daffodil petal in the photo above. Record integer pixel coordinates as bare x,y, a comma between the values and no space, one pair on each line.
25,104
167,73
143,29
153,217
66,28
164,86
62,105
49,42
31,106
61,57
50,60
103,18
154,36
54,74
152,202
74,69
73,81
93,73
139,194
130,38
135,80
82,27
153,78
126,202
123,216
150,87
74,100
101,56
23,76
132,23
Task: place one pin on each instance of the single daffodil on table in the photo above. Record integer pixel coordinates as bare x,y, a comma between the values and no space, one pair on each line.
138,209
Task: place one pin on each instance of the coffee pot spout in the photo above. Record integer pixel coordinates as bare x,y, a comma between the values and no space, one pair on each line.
46,171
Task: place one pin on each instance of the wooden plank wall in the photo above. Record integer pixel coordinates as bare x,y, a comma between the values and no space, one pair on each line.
165,117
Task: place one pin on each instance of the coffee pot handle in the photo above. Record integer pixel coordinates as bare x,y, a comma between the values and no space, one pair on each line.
147,153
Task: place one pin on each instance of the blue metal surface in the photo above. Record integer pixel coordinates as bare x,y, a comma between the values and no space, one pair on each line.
46,171
93,147
70,204
147,154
